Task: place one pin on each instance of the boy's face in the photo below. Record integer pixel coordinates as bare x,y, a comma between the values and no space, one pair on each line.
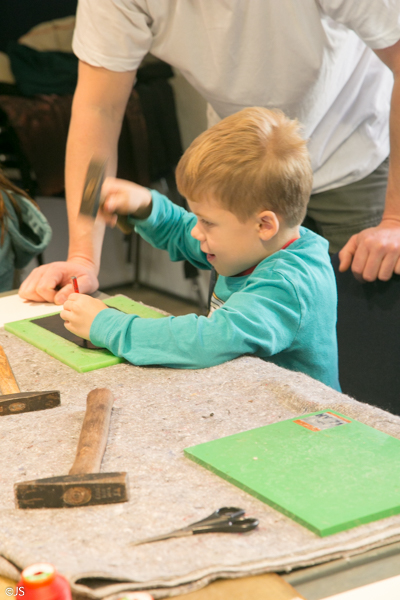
231,246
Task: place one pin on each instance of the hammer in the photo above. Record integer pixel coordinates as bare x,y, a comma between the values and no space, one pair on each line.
15,401
91,198
84,485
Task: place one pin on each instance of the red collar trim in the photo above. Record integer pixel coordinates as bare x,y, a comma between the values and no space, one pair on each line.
246,272
289,242
251,269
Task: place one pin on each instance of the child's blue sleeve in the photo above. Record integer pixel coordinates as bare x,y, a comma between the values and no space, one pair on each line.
168,227
250,322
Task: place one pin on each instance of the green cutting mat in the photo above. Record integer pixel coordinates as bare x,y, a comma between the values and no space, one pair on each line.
80,359
326,471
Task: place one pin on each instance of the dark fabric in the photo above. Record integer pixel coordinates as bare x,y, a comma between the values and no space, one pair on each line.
9,89
19,16
133,147
149,145
152,68
41,126
43,72
158,105
368,331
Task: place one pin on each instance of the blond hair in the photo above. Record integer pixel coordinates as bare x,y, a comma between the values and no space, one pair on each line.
253,160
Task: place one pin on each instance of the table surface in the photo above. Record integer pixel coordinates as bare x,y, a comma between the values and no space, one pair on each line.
313,582
263,587
258,587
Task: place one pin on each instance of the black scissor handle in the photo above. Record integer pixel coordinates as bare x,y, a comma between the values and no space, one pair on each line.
242,525
226,519
224,514
228,526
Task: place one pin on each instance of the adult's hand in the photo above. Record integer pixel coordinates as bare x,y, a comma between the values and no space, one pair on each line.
373,253
52,282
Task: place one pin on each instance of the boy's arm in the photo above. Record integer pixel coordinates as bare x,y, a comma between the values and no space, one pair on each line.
250,322
168,227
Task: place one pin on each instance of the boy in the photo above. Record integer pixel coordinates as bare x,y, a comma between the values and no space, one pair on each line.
247,181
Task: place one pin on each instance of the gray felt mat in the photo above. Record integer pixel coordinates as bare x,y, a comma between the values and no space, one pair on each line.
157,413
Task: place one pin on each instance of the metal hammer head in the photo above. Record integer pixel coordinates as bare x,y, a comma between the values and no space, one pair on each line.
92,189
91,197
11,404
72,490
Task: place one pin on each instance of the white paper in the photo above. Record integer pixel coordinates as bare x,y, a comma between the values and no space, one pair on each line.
14,308
388,589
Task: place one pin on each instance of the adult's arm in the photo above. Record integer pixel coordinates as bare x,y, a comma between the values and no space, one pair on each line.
97,112
375,252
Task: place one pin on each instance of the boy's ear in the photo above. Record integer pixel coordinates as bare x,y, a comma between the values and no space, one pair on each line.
268,225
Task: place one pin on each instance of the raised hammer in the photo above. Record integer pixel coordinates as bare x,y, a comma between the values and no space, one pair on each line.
84,485
91,197
13,401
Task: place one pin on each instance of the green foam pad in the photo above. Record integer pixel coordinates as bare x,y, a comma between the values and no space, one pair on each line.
80,359
324,470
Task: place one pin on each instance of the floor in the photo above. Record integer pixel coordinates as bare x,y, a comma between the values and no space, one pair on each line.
158,299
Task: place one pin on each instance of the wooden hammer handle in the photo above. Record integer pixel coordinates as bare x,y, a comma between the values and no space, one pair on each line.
8,385
94,432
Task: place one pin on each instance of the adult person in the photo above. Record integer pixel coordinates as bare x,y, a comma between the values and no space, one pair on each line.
321,61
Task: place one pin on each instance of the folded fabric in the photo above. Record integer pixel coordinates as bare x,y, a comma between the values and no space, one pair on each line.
25,236
39,72
55,35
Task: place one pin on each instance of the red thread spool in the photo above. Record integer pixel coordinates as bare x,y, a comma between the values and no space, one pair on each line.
42,582
136,596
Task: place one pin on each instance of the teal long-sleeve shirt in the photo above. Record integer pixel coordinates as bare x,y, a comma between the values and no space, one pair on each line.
283,312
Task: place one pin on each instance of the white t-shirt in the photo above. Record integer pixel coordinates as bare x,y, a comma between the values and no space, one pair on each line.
310,58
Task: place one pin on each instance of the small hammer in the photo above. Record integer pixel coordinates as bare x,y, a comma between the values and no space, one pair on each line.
92,200
15,401
84,485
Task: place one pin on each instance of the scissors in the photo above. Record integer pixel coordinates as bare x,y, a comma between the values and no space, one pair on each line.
227,519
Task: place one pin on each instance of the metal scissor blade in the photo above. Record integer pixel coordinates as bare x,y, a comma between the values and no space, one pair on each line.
165,536
232,526
228,519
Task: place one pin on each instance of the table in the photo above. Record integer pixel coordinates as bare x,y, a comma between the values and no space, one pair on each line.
308,579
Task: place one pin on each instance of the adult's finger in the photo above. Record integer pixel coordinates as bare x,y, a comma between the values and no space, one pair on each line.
367,261
383,246
61,296
347,252
87,283
40,285
388,266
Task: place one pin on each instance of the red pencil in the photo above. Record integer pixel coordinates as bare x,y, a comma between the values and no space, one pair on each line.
75,284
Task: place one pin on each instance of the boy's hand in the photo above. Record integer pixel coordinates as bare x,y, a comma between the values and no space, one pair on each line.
79,313
125,198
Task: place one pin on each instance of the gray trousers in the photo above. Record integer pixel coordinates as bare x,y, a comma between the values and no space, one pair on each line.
340,213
